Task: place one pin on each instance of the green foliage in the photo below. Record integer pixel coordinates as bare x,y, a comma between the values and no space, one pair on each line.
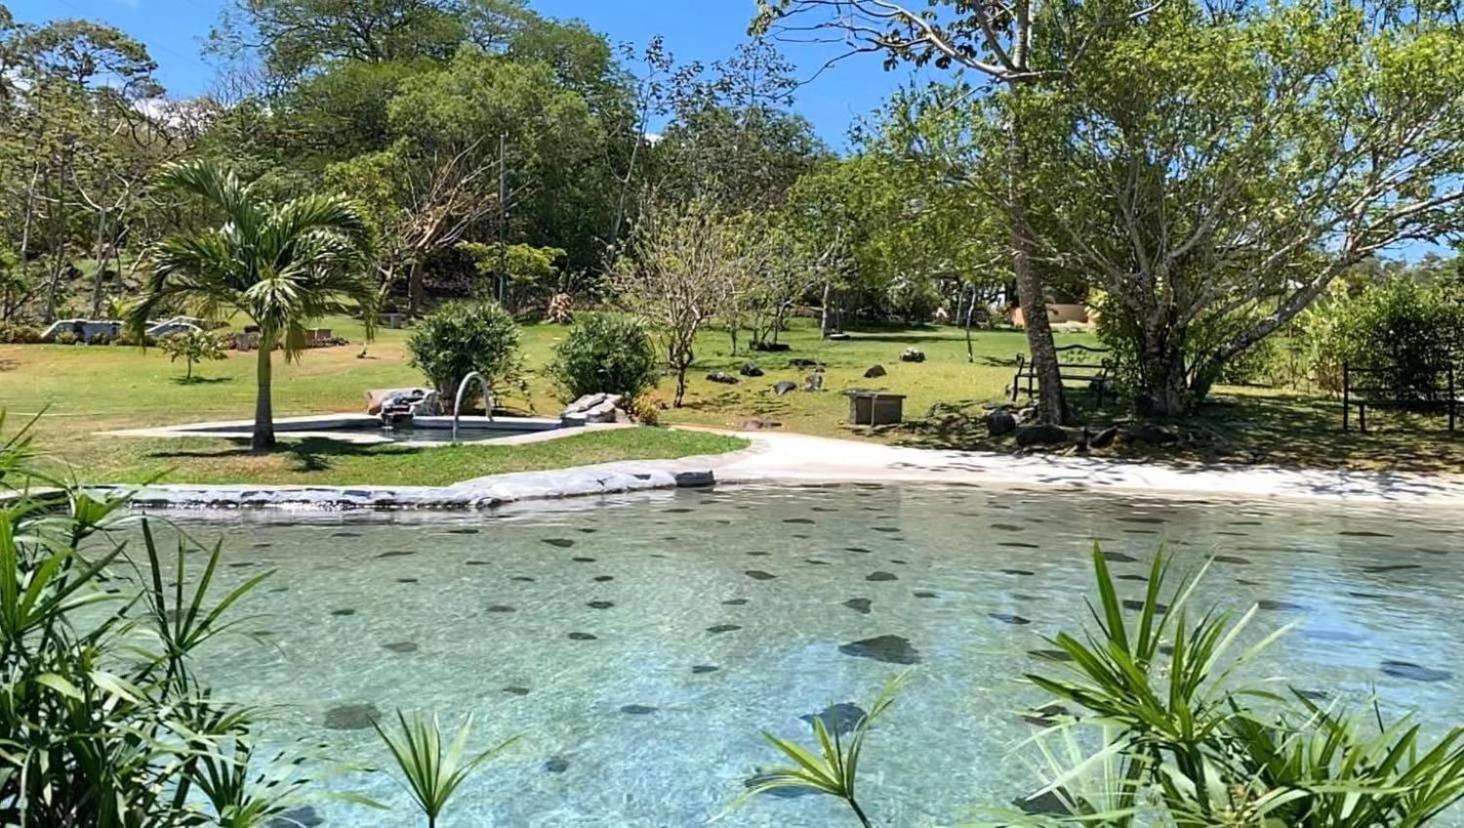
1403,324
605,353
192,347
462,337
834,771
430,775
104,722
12,333
531,273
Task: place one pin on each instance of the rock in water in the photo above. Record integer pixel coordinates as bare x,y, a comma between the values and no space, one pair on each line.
891,649
351,717
875,372
1414,672
1044,434
1000,422
750,369
296,818
785,387
839,718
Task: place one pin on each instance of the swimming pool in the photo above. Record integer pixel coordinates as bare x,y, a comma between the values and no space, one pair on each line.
641,644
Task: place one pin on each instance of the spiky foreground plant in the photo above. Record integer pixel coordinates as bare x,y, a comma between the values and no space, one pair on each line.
428,773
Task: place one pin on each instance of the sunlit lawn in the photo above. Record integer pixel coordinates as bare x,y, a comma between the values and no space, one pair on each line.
86,390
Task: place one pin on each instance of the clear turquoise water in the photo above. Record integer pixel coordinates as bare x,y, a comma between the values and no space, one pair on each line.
489,615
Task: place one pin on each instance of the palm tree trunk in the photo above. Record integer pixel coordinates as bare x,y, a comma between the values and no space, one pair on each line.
264,438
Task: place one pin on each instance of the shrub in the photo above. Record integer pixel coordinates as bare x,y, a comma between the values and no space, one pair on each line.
15,334
646,410
65,338
1402,324
192,347
605,353
463,337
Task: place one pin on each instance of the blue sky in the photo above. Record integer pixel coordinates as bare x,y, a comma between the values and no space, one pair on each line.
703,30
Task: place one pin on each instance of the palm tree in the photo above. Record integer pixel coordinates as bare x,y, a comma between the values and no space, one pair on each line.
282,265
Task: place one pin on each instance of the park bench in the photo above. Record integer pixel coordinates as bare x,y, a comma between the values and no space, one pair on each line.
1418,390
1075,363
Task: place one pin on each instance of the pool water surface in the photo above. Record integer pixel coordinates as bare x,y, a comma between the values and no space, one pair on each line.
639,645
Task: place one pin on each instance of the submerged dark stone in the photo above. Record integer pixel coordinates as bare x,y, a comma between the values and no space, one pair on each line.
881,576
562,543
891,649
345,534
759,575
406,580
1139,578
758,554
556,764
1119,557
701,669
722,628
1018,572
859,605
815,562
1378,570
523,578
1362,533
1047,715
734,602
1137,605
1231,559
600,605
887,529
1414,672
1007,618
501,608
462,531
477,563
1019,545
343,612
402,646
516,691
861,550
581,636
351,717
396,553
839,718
304,817
925,594
1141,519
1050,655
604,578
1008,527
637,709
800,520
583,560
588,530
240,564
1273,605
1314,695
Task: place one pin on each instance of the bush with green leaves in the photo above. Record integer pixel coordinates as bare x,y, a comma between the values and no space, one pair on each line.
606,353
192,347
1403,324
462,337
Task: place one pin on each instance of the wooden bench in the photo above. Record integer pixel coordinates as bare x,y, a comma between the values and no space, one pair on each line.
1366,388
1094,375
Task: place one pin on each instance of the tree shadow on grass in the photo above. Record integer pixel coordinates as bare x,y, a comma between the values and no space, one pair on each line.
201,380
309,454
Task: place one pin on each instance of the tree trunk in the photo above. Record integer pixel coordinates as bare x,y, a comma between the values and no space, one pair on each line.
1162,375
264,437
970,312
53,285
416,290
823,314
680,386
101,266
1051,401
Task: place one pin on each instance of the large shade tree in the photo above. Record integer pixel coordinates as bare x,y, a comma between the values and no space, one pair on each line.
1214,170
280,265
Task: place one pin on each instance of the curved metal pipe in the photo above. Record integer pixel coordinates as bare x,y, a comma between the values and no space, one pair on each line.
457,405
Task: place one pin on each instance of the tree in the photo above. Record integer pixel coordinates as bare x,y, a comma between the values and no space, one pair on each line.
674,276
994,41
1212,172
281,265
192,347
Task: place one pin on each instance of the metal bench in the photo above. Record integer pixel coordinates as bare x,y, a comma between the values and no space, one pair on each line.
1386,387
1094,375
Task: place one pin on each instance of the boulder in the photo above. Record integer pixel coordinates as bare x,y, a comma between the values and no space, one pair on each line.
1104,438
722,377
750,369
803,362
585,403
912,355
875,372
594,408
1154,435
1000,422
378,399
784,387
1041,434
813,382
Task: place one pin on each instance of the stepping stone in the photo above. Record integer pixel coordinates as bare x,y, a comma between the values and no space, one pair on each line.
1007,618
581,636
637,710
759,575
402,646
859,605
556,765
722,628
839,718
881,576
562,543
1413,672
351,717
600,605
1279,606
702,669
516,691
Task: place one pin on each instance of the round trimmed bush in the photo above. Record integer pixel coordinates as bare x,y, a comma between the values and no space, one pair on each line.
605,353
462,337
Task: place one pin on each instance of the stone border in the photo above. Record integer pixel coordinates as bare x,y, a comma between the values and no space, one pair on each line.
325,426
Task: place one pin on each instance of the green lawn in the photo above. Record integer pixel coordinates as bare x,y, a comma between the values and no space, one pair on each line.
86,390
